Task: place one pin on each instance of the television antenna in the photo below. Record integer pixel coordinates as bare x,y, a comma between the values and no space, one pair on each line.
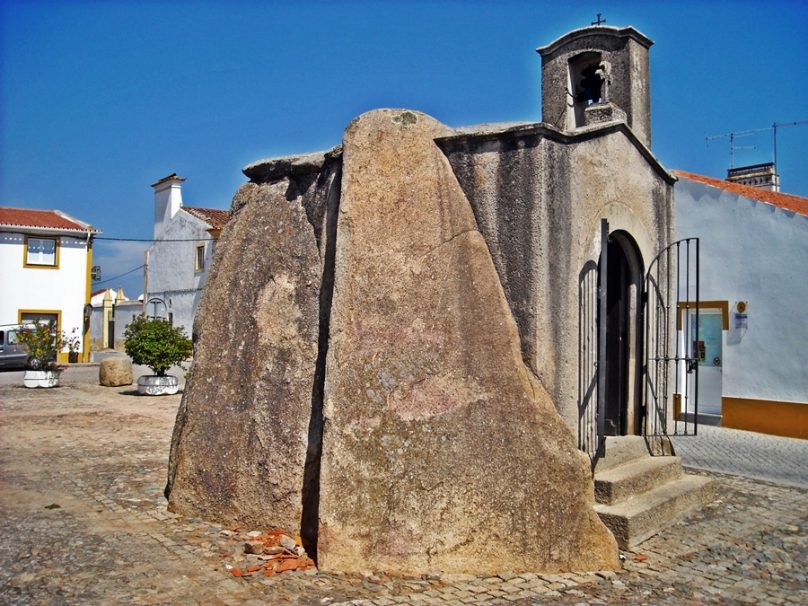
745,133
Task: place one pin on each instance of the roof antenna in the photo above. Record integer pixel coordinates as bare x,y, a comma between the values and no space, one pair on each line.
745,133
599,21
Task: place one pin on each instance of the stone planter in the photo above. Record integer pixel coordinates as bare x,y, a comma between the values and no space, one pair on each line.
40,378
153,385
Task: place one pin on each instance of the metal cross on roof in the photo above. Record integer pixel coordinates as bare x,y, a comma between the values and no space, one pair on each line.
599,21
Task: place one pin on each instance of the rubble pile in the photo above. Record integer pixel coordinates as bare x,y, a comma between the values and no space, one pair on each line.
272,553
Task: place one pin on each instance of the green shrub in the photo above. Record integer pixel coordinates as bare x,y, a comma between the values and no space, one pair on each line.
156,344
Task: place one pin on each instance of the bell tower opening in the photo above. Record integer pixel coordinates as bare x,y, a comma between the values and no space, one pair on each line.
586,85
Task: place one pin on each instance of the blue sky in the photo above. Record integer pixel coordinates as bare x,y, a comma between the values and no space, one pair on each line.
100,99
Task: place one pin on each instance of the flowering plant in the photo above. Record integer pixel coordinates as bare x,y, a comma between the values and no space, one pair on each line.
72,340
42,341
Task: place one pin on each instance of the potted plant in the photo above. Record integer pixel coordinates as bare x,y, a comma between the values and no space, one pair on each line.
72,341
42,342
158,345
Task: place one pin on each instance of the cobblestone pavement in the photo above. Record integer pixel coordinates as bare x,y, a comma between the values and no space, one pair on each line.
83,521
746,453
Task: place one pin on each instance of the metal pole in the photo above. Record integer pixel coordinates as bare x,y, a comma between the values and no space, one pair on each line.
145,281
698,306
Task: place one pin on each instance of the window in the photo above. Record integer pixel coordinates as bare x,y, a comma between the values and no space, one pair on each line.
39,317
199,259
41,252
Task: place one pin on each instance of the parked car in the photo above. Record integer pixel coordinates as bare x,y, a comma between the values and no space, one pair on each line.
13,354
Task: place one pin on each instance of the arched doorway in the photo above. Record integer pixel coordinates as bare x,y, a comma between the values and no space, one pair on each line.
623,335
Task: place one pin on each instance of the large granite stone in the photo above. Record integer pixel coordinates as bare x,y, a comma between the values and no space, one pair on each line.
115,371
245,448
441,450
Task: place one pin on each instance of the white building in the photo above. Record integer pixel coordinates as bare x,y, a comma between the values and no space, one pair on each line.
753,302
111,314
177,263
45,262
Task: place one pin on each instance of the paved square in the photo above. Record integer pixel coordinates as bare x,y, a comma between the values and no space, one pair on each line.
82,470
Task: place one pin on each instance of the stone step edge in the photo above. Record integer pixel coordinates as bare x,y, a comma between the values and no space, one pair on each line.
620,450
639,518
634,478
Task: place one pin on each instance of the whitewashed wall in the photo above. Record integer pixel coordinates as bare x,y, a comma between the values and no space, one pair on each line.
755,252
171,271
62,289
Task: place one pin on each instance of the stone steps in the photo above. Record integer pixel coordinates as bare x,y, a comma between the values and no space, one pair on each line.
621,450
636,477
638,495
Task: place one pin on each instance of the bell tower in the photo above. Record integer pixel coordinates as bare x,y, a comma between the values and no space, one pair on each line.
597,74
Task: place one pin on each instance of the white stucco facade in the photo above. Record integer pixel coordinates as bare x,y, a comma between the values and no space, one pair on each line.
179,260
58,288
754,252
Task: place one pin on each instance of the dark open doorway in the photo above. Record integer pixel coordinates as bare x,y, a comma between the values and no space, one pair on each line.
623,354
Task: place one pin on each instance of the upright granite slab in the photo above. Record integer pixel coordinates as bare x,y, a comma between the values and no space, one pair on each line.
441,452
246,442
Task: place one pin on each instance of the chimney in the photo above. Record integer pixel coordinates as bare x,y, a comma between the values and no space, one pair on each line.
763,176
167,201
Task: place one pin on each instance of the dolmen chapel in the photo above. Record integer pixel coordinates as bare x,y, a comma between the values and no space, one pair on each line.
401,355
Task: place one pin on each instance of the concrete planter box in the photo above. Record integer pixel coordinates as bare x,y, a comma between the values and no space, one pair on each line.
40,378
153,385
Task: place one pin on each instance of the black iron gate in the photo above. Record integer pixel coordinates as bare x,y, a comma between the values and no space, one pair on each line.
592,351
672,345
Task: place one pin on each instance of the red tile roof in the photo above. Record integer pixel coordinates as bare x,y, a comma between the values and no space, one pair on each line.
50,219
214,217
796,204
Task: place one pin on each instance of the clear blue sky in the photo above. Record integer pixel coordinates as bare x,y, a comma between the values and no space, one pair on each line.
100,99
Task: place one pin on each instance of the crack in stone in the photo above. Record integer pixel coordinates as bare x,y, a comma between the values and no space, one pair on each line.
449,241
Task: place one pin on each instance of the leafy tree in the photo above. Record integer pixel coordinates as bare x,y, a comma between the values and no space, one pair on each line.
156,344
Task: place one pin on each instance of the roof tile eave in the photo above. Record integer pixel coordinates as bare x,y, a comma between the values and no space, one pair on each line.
30,218
788,202
214,217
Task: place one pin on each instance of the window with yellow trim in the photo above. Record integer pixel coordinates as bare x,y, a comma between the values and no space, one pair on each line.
199,258
41,251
